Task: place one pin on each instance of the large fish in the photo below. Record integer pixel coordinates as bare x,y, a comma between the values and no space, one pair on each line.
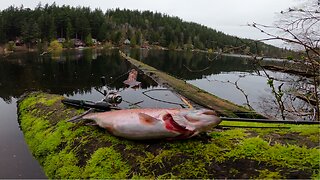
142,124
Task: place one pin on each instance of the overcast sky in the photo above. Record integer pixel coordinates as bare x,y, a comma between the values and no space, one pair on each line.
228,16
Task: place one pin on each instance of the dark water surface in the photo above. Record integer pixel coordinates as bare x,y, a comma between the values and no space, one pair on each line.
231,78
74,74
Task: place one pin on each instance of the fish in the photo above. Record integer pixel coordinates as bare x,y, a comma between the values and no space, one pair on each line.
132,79
146,124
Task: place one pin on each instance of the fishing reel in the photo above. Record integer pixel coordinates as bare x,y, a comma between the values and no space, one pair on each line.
111,97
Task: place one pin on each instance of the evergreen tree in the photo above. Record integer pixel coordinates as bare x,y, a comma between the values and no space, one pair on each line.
69,29
88,40
103,31
82,22
30,32
3,37
52,30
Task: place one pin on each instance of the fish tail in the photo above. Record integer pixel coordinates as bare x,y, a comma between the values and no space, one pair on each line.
80,117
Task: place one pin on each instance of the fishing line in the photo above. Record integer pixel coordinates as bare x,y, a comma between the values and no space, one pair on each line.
184,105
145,93
133,104
118,78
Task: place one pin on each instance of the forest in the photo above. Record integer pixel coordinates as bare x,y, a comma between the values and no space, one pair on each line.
47,22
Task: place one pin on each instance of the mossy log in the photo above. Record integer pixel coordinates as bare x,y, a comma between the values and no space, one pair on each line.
193,93
73,150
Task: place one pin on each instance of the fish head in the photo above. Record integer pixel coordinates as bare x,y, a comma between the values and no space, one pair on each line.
199,120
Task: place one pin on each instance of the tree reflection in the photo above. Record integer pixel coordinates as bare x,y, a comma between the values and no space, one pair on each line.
76,72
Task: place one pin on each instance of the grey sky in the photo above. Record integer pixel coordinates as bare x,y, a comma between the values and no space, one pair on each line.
228,16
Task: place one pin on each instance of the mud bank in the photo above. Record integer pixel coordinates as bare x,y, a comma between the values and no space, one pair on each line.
68,150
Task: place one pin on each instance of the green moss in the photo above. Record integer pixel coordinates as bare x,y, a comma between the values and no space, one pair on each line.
234,134
28,102
54,137
251,147
289,156
310,131
73,150
106,163
233,171
316,174
266,174
163,156
188,146
167,176
62,165
191,168
50,101
139,176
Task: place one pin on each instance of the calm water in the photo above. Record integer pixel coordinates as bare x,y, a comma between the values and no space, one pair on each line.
230,78
74,74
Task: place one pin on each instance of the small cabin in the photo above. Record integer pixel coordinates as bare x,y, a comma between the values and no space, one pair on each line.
77,42
127,42
61,40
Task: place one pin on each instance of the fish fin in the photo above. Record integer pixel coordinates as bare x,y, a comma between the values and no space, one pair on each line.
80,117
126,82
190,128
146,119
131,83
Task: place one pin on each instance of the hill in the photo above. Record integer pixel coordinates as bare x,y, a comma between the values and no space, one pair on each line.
49,22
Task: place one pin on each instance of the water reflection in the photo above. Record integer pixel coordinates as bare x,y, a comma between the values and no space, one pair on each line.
180,64
232,78
74,72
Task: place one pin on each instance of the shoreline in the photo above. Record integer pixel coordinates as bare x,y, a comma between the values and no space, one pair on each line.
282,65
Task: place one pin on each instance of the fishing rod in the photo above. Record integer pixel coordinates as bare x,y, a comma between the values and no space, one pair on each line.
260,127
186,102
268,121
110,100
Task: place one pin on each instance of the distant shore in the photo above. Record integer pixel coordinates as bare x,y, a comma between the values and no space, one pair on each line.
283,65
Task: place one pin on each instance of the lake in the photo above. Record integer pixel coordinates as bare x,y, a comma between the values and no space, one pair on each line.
76,74
233,78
